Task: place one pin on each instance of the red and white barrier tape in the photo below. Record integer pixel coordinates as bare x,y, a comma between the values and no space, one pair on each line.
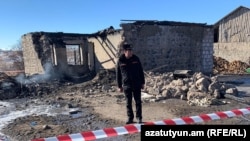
134,128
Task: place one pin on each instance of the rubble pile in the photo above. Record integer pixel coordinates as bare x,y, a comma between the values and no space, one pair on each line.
198,89
20,87
222,66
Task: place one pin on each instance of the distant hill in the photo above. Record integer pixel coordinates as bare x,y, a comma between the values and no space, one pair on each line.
9,60
3,50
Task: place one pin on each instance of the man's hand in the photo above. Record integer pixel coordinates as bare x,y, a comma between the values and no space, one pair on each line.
120,89
142,86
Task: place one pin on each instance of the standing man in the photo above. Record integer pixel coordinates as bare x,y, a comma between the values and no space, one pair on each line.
130,80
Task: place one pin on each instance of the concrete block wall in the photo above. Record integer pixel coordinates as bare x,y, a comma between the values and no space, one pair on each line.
207,51
172,47
32,61
233,51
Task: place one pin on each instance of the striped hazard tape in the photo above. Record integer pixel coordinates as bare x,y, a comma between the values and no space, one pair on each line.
135,128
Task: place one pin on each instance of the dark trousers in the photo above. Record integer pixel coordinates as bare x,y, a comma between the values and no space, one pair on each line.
136,94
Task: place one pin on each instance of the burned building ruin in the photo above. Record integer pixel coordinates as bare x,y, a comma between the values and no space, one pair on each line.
69,55
56,54
163,46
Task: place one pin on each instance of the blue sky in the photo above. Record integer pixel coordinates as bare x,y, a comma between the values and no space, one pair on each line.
19,17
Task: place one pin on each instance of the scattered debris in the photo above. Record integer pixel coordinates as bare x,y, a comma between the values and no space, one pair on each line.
222,66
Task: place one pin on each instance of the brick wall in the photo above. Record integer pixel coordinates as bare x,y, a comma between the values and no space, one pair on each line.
172,47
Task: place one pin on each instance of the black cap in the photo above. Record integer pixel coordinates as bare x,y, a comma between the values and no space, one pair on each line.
127,47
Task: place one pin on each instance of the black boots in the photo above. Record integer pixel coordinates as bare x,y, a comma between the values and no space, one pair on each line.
139,120
129,121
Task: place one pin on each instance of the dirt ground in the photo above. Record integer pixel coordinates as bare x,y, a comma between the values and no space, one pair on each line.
103,110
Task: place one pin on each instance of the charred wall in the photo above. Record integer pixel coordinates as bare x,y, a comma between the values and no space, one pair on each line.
46,53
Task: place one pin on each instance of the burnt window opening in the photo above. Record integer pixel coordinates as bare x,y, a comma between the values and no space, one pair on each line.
74,56
216,35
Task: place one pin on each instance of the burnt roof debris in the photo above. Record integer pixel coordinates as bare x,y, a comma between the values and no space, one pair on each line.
58,34
103,33
169,23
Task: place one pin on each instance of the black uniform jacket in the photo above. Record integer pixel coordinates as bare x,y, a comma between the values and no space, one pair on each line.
129,72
